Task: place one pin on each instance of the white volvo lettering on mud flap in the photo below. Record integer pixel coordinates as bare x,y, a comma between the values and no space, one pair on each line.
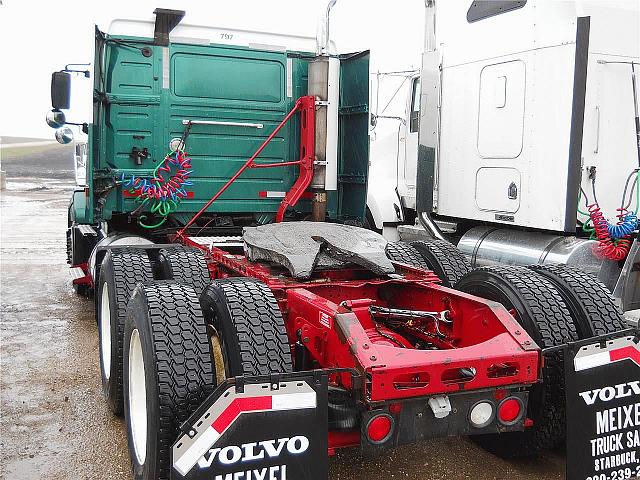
255,451
607,394
199,447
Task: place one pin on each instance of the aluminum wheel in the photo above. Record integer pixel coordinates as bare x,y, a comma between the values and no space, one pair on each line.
105,331
137,395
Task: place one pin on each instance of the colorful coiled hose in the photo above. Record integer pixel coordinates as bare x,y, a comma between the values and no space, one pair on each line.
610,246
158,195
625,227
614,241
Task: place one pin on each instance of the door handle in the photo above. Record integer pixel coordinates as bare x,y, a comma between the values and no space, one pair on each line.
597,142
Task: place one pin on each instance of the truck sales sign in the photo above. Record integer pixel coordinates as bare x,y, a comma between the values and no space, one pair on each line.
264,431
603,410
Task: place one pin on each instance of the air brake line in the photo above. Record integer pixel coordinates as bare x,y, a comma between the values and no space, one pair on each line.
159,196
614,241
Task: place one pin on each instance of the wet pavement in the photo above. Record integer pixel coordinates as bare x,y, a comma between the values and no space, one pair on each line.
53,421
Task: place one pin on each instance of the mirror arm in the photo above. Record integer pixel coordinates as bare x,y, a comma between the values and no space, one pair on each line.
86,73
85,126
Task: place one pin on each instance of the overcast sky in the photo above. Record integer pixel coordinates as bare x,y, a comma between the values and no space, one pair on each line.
38,37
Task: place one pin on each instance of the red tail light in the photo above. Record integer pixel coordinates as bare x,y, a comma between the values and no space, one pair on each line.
510,410
379,428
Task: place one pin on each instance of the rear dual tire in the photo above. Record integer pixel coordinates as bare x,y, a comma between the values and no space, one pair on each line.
170,363
538,307
440,256
248,325
444,258
184,265
590,303
405,253
555,304
168,372
121,271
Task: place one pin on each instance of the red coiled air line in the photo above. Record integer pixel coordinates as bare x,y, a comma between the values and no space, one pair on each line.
607,248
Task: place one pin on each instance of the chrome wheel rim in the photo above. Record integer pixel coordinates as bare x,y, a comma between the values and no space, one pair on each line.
105,331
137,398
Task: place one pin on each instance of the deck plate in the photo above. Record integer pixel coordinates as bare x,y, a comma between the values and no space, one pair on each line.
301,247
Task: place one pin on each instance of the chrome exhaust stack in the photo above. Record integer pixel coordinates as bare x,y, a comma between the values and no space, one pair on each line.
323,84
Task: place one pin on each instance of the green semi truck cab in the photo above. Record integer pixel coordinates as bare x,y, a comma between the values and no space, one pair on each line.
222,101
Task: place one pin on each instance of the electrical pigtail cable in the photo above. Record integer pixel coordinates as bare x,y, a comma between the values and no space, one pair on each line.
161,193
587,227
614,241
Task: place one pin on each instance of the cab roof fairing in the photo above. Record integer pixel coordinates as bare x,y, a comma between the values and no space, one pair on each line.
208,34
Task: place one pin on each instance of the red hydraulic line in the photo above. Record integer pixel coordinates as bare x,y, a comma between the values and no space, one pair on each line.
248,163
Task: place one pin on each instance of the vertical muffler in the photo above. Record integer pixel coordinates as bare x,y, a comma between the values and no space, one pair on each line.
323,84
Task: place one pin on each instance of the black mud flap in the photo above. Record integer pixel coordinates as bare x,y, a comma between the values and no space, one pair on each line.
603,407
257,428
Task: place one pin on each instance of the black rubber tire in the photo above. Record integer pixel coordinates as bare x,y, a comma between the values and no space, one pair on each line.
405,253
444,258
184,265
246,316
178,368
122,270
542,313
589,301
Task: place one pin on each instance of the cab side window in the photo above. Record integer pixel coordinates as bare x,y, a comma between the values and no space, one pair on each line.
414,117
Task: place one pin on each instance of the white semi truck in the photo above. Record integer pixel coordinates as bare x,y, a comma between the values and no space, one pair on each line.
528,135
391,197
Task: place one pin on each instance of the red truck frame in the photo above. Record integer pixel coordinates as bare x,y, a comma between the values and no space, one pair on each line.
480,347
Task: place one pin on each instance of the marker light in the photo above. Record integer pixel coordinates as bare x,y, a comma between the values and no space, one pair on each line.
379,428
481,414
510,410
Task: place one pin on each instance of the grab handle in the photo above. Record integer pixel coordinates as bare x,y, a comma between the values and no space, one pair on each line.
218,122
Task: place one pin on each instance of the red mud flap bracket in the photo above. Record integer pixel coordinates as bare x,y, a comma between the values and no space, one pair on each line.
257,428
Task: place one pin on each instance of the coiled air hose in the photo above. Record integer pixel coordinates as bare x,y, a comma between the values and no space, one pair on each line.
614,241
158,195
608,247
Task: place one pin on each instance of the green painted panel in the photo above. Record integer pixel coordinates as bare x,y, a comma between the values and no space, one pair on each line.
131,73
128,126
80,207
353,138
141,105
227,78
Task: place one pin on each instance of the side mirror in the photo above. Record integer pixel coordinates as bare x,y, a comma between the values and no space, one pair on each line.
56,118
60,90
373,120
64,135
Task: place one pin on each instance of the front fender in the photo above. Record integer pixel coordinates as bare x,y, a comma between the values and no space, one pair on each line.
381,197
79,207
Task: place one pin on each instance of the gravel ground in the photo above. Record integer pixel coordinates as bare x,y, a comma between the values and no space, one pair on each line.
54,423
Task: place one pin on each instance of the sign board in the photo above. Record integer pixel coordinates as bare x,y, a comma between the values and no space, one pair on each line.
260,431
603,410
